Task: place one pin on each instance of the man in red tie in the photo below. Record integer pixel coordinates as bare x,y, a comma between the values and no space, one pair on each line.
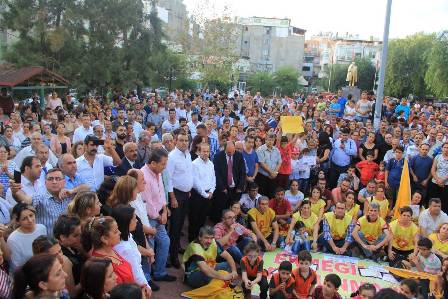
230,171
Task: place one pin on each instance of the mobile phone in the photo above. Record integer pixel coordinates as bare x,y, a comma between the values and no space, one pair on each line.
98,142
17,177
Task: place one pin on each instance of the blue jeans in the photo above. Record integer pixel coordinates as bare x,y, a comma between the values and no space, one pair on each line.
362,118
161,245
300,245
198,279
236,251
369,253
304,186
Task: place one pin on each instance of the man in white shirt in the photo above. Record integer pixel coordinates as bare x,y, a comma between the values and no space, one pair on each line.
30,172
84,130
170,124
30,150
193,124
135,124
180,172
431,218
91,164
204,184
42,154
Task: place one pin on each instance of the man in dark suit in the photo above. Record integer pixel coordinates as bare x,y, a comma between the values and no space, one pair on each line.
230,171
129,160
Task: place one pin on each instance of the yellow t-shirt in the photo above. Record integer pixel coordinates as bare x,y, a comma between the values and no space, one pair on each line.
338,227
309,222
371,230
384,206
263,221
441,246
316,207
403,236
353,211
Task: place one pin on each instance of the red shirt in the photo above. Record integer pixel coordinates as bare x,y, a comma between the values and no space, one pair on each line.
282,207
285,153
122,268
368,170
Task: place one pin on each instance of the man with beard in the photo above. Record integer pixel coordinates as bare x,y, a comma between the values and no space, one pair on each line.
121,140
91,164
130,159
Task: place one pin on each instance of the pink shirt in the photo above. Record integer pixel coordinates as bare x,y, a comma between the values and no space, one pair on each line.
221,231
154,193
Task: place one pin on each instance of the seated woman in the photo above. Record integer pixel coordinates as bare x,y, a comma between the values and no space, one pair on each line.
317,203
40,276
294,195
405,235
309,219
352,208
440,241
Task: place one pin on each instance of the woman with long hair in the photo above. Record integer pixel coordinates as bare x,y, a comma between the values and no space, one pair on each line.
41,275
104,194
105,279
60,143
45,244
126,220
85,205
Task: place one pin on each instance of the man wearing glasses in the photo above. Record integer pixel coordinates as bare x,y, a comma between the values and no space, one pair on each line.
50,202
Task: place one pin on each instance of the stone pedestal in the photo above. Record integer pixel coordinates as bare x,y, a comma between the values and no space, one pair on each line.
353,90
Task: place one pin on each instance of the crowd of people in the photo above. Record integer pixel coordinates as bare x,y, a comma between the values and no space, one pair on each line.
113,188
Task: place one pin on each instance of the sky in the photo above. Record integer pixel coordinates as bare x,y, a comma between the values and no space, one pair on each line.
363,17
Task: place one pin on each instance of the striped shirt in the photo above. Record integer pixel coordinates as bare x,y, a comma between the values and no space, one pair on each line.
48,209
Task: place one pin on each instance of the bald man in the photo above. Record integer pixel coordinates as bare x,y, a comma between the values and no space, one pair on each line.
230,173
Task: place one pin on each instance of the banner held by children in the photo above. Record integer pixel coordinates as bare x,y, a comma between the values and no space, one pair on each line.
352,271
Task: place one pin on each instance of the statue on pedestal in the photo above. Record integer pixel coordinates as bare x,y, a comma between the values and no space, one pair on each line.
352,74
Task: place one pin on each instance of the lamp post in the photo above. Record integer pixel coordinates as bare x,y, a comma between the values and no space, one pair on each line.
384,52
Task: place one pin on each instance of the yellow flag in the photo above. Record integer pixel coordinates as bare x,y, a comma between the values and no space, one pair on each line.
404,191
291,124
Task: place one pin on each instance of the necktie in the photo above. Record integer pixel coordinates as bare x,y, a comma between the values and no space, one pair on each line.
229,171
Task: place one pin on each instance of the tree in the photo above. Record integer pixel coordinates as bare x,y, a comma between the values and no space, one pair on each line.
366,73
95,44
211,44
407,65
168,67
286,79
262,82
338,77
436,76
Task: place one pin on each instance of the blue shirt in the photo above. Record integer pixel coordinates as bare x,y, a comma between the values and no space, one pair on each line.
406,110
250,159
335,107
342,157
342,101
421,166
395,168
71,184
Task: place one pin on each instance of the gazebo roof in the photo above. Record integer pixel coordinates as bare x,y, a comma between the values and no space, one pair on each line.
28,76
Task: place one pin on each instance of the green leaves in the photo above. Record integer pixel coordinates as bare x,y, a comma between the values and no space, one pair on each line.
287,80
436,76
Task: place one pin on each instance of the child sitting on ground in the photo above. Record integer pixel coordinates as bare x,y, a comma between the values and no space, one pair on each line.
300,239
329,289
305,277
252,271
365,291
282,283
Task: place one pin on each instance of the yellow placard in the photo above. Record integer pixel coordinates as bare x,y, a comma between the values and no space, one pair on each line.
291,124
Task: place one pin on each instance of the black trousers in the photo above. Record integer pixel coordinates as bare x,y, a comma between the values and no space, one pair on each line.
435,191
335,172
266,185
177,220
222,201
198,209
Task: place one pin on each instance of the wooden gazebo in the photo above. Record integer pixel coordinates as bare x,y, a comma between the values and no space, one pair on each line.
31,78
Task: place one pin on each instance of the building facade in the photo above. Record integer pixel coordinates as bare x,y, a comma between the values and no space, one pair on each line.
268,44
